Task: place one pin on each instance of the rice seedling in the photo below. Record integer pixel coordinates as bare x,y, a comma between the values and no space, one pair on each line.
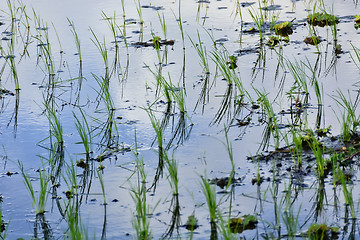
350,120
104,53
77,40
70,178
237,11
55,127
201,50
141,219
347,192
139,11
259,20
272,125
318,151
101,180
298,72
289,216
356,58
298,147
114,31
200,6
180,24
85,132
163,24
221,59
38,201
109,128
210,195
172,167
123,8
76,229
10,55
229,149
159,131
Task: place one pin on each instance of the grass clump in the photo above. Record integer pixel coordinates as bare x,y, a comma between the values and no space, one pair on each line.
322,231
38,201
322,19
240,224
284,29
191,223
313,40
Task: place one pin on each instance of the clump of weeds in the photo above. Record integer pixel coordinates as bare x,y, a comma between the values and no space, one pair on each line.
240,224
313,40
322,231
232,62
322,19
284,29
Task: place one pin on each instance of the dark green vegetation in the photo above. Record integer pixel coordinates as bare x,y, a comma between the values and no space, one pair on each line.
179,120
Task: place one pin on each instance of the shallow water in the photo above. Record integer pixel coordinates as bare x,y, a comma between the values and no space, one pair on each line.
24,129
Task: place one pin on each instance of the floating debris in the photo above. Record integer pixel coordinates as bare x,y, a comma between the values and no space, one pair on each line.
6,92
151,43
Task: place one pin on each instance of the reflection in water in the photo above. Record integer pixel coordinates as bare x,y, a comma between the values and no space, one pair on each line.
260,63
14,116
320,200
43,226
204,93
181,131
213,231
174,224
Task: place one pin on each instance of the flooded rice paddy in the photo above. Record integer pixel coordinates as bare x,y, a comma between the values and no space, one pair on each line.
179,119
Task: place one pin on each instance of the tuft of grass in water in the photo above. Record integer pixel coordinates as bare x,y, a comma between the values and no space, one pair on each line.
163,24
289,216
350,120
83,128
347,192
38,201
159,131
322,19
172,167
55,127
101,180
298,72
76,229
318,151
109,128
180,24
45,50
356,58
76,37
141,219
230,152
10,55
201,50
71,181
114,28
259,20
272,127
232,95
210,195
139,11
101,46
